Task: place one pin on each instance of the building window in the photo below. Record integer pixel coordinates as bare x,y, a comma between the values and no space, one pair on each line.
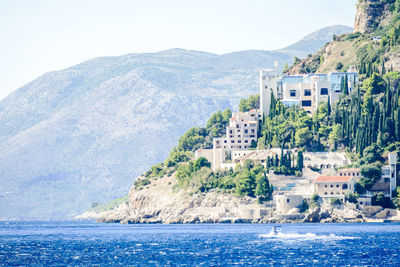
233,141
246,141
252,136
237,125
240,146
238,136
238,130
326,186
225,141
252,130
230,131
337,186
324,91
331,185
307,92
246,131
306,103
287,200
239,141
292,93
245,125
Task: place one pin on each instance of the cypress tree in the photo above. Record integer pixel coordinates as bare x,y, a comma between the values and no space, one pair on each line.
346,85
300,161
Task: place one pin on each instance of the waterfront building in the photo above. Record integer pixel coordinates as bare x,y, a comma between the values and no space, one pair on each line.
334,186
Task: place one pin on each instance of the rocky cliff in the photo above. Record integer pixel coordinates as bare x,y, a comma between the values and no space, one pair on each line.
162,202
374,43
372,14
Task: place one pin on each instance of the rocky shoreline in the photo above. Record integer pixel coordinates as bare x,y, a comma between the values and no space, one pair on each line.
160,202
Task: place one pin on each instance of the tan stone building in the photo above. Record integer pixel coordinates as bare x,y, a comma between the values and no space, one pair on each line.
334,186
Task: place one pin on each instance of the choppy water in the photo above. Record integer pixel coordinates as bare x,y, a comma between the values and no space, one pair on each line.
89,243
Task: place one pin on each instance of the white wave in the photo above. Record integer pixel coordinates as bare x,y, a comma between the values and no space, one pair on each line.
307,236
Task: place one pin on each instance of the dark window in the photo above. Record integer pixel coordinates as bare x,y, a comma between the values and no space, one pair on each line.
324,91
337,186
225,141
230,131
246,141
239,141
287,200
252,136
307,92
252,130
245,125
246,131
233,141
292,93
306,103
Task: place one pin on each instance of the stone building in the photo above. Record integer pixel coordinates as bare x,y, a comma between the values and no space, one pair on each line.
334,186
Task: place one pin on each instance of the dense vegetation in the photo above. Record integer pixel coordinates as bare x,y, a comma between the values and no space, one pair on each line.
247,180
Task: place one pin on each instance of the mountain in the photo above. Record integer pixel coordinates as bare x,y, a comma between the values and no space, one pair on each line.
372,47
316,40
83,134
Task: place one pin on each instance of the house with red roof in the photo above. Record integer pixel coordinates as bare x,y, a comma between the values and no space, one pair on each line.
334,186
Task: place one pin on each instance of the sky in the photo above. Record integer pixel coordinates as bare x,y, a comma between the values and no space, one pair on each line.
38,36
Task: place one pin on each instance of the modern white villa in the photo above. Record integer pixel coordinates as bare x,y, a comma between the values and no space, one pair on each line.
306,91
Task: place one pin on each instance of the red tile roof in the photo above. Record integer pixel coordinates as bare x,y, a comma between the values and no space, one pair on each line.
333,179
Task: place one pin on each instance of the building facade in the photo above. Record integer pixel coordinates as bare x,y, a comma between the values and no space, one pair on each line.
306,91
241,132
334,186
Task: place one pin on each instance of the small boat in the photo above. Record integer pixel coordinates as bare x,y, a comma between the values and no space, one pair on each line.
275,230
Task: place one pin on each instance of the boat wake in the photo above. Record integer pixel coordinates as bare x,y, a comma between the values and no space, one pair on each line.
307,236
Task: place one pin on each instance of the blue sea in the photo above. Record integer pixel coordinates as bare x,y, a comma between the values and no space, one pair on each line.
78,243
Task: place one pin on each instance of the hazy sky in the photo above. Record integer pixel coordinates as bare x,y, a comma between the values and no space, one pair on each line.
38,36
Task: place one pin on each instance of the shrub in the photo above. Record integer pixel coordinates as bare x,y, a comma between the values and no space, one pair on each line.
335,201
351,197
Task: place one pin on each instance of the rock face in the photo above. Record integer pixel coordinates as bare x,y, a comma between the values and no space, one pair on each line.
161,203
370,15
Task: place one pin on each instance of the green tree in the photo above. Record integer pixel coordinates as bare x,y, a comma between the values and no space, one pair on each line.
300,160
200,163
339,66
263,189
245,184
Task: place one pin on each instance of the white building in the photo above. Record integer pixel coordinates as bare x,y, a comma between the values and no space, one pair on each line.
334,186
325,160
241,131
388,182
306,91
241,134
268,84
